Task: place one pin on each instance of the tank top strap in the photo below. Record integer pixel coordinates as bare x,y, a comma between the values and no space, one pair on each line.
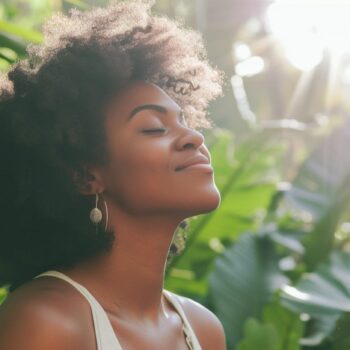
191,337
105,335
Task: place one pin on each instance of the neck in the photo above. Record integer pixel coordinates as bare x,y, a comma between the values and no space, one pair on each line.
128,280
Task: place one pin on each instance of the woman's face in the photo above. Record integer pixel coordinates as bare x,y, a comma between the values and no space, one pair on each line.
146,145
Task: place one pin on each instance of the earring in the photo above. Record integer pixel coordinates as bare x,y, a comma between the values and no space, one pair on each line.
106,214
96,214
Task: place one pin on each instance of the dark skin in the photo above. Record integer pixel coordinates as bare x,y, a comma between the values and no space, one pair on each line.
147,199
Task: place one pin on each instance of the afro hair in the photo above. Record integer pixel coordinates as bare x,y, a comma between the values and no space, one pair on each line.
52,107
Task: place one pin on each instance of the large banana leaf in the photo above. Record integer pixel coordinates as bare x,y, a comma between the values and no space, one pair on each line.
259,336
322,173
322,190
323,294
243,281
279,329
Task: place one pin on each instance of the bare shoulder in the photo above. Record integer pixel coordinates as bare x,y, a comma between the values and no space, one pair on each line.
36,316
205,324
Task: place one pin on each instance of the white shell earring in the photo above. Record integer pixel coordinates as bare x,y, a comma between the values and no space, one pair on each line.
95,213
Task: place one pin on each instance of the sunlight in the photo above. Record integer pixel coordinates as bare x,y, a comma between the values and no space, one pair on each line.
249,67
295,293
306,28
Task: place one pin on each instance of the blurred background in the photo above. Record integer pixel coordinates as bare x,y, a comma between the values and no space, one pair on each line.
273,261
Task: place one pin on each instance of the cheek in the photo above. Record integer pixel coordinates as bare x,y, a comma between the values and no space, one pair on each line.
141,179
139,173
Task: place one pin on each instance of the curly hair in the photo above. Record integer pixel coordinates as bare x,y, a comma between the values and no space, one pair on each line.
52,107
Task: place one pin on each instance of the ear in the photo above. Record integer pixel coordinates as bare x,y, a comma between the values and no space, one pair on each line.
89,180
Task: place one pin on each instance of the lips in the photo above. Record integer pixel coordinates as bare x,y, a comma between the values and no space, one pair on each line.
200,159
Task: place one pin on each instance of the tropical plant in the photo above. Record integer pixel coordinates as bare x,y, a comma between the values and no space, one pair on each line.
299,253
272,261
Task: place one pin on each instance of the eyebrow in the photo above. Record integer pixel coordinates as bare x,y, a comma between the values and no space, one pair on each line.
154,107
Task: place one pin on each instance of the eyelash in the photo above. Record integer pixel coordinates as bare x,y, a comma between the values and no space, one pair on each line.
157,130
153,130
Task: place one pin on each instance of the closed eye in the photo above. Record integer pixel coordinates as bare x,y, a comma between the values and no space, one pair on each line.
153,130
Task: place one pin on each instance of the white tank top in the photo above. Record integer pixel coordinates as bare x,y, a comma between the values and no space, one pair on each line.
104,332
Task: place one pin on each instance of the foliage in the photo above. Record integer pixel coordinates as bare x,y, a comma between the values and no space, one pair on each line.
244,280
273,260
278,330
300,229
259,335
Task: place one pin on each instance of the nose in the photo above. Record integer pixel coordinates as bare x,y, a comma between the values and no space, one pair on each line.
190,138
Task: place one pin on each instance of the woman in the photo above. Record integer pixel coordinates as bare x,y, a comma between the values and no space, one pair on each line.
102,161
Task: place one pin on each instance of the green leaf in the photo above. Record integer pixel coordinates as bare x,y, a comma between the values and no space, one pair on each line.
325,291
8,54
243,281
290,240
323,294
279,329
24,33
318,329
259,336
341,336
78,3
14,44
3,295
288,325
322,189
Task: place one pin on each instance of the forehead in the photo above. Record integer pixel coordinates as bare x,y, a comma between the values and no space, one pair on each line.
136,93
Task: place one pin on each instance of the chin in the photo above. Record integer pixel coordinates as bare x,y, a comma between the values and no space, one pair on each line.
204,202
211,203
